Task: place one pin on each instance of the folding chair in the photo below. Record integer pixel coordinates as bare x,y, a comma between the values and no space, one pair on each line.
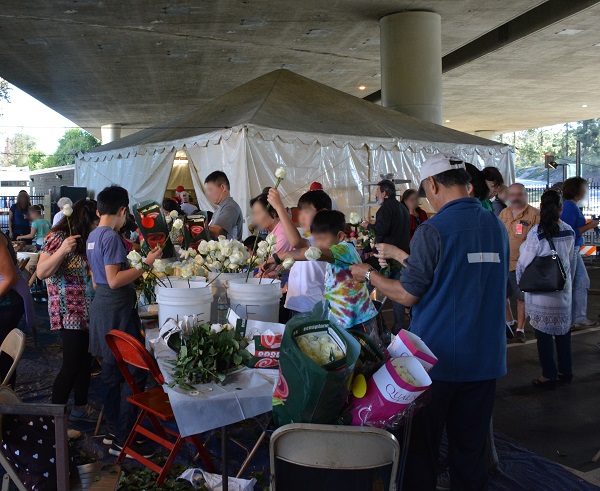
325,457
13,345
154,404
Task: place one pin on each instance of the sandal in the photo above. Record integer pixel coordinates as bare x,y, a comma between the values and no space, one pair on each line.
544,384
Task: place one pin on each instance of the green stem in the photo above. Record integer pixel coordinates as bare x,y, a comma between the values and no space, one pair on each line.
211,281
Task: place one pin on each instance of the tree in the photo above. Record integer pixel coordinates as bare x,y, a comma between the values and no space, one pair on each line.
72,142
17,150
4,92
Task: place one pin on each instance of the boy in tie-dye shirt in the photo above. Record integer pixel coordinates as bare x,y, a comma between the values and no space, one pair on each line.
351,306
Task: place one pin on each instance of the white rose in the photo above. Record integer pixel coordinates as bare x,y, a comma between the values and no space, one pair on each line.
281,173
237,257
139,266
134,257
213,245
287,263
160,266
168,219
203,247
233,266
271,239
184,254
355,218
186,273
217,265
221,238
313,254
217,328
173,214
199,260
192,252
177,224
67,210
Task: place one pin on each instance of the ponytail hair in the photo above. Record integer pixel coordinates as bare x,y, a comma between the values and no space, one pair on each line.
551,203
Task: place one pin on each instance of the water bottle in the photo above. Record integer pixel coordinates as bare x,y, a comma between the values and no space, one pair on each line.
222,308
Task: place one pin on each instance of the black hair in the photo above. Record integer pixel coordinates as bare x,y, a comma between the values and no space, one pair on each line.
262,199
130,224
480,188
250,241
388,187
454,177
328,221
318,198
550,204
571,188
492,174
81,222
111,199
169,204
266,190
217,177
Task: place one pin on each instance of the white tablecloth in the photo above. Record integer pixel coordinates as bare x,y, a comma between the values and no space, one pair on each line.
245,394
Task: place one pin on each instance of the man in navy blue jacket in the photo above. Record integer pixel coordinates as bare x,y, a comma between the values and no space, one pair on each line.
455,279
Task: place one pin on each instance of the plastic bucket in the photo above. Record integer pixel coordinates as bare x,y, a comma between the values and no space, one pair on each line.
180,299
219,287
254,300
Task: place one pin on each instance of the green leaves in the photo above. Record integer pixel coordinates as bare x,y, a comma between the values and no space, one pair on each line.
206,356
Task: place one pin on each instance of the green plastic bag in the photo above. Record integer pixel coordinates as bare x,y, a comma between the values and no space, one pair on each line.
308,392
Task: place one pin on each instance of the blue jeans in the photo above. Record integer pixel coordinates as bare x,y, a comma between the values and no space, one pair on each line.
546,343
581,285
120,415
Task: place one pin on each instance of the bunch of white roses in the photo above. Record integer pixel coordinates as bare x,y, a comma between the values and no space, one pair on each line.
223,255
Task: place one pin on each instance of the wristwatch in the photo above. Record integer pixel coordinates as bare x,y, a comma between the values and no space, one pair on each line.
277,259
368,275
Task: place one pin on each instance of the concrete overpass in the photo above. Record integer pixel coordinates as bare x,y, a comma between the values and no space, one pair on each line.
508,65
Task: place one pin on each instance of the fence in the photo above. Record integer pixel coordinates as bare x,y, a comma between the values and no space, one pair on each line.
590,206
7,201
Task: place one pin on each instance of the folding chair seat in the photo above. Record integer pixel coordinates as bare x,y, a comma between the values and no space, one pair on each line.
154,405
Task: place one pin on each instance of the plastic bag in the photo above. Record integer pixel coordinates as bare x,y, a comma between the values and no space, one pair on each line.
306,391
264,340
388,394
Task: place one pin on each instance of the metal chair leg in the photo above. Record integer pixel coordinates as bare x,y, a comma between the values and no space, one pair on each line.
99,422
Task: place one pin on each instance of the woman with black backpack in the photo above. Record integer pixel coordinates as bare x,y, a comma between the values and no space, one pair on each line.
545,265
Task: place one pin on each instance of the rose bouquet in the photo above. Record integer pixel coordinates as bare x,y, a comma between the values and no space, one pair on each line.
222,255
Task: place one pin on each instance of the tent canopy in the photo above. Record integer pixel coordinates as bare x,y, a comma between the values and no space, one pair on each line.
284,119
287,101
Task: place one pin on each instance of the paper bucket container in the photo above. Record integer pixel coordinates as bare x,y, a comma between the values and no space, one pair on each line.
408,344
388,394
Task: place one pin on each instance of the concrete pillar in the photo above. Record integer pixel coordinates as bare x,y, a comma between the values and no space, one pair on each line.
411,64
110,132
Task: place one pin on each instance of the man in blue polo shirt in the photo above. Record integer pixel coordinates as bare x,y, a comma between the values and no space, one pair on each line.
455,279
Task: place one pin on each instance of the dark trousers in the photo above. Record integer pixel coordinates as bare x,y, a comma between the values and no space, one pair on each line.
465,409
75,372
546,344
10,317
120,414
399,310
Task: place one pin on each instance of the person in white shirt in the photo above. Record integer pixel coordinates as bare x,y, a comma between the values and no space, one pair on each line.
306,282
61,204
187,207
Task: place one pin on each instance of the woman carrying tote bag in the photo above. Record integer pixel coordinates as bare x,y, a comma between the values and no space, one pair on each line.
550,312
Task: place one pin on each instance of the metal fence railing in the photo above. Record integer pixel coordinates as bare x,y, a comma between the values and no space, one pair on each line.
7,201
590,205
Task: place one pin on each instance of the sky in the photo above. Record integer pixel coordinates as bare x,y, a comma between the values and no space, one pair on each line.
24,114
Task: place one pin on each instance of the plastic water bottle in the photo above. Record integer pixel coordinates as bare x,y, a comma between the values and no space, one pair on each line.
222,308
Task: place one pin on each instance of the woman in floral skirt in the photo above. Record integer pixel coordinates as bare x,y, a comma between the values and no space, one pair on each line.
63,264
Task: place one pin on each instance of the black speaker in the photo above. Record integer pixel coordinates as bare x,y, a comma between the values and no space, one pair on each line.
74,193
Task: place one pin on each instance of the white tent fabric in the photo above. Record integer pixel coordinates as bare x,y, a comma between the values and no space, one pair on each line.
282,119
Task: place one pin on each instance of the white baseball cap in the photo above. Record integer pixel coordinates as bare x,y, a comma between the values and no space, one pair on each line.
436,164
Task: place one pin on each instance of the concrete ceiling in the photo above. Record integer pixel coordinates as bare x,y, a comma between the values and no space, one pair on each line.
138,62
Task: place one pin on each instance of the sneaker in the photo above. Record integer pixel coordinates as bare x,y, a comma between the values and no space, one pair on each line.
86,413
520,336
109,438
144,450
584,324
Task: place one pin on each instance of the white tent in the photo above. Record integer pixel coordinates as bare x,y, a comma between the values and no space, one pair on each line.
283,119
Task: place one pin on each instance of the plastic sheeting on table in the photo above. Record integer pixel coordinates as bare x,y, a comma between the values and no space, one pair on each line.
245,394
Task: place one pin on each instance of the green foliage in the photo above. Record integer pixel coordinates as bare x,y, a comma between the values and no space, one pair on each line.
206,356
17,150
4,92
72,142
144,479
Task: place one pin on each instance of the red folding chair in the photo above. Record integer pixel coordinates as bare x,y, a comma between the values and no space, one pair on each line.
153,404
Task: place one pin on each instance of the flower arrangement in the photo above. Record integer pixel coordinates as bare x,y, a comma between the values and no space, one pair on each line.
205,353
221,255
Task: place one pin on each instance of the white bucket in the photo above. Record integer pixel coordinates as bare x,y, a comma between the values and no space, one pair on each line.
219,287
180,299
254,300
